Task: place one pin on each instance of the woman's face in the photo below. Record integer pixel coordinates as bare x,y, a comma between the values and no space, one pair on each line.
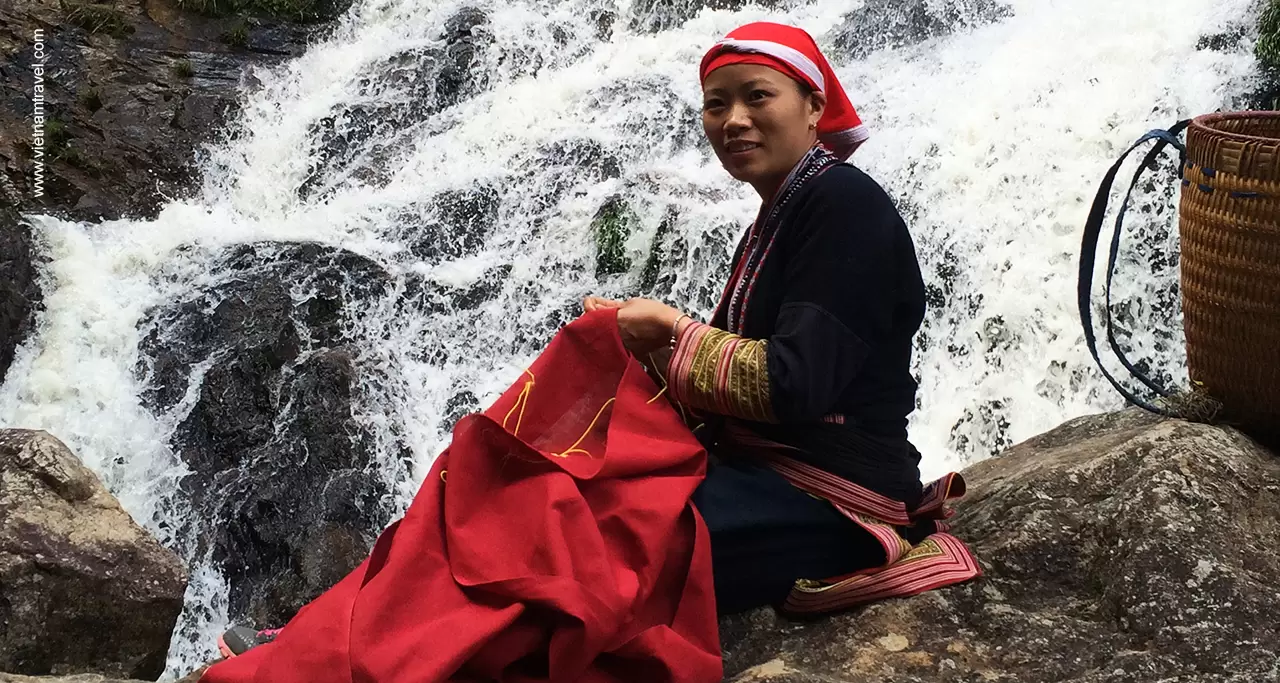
759,122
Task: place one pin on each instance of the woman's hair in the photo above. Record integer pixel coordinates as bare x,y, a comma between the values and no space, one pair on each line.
806,90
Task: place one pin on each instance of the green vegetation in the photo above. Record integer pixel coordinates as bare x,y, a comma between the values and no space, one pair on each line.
238,36
183,69
91,99
297,10
97,18
71,155
1268,46
612,226
57,144
55,136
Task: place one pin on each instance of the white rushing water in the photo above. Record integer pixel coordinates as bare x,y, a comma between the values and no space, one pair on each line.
993,139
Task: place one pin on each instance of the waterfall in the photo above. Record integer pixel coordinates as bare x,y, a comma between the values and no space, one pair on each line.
449,160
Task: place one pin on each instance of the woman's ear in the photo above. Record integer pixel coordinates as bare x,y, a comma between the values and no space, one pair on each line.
817,105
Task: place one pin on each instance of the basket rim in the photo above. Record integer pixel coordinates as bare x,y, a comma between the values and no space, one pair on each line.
1205,123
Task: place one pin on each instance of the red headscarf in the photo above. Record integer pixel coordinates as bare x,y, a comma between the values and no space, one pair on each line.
792,51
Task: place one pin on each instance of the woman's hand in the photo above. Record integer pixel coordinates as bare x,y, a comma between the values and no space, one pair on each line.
645,325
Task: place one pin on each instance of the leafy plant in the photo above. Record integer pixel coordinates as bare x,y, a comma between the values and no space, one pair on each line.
612,226
97,18
238,36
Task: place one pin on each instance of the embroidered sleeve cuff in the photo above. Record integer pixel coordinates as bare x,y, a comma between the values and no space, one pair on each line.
721,372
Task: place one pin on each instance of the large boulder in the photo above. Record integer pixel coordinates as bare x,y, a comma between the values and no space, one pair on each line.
1117,547
284,492
82,587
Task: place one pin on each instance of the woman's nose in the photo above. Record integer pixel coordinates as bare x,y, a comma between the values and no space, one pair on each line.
738,118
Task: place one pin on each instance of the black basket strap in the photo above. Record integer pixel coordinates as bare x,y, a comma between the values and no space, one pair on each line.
1089,251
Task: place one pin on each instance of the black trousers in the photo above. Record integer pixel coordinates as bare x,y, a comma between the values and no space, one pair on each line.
766,533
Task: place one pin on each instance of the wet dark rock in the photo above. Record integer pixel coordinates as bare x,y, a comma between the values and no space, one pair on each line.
465,39
555,169
463,24
653,16
300,510
658,268
324,10
891,25
941,287
343,137
19,292
1227,41
484,289
459,406
604,21
83,588
538,335
407,89
283,488
453,224
128,107
429,296
985,424
1116,548
583,154
237,408
654,105
253,312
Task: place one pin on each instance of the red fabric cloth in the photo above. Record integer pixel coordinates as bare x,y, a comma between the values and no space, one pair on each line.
515,564
792,51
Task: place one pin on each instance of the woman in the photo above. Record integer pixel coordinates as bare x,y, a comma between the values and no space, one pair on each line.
806,362
802,377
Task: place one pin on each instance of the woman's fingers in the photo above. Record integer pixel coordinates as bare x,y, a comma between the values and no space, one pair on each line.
593,303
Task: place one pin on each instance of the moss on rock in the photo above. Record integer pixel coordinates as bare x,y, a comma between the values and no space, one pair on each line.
612,226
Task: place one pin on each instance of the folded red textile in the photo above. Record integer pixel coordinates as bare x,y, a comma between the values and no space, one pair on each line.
552,541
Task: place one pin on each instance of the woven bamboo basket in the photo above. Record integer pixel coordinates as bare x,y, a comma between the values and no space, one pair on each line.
1230,230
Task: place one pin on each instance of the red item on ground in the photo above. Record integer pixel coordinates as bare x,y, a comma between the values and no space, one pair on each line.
552,541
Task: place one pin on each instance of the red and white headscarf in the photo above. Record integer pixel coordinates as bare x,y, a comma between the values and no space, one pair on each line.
792,51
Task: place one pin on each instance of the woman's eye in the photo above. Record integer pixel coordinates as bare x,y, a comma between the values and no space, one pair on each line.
758,95
710,105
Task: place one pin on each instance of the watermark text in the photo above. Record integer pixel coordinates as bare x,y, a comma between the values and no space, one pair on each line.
38,61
